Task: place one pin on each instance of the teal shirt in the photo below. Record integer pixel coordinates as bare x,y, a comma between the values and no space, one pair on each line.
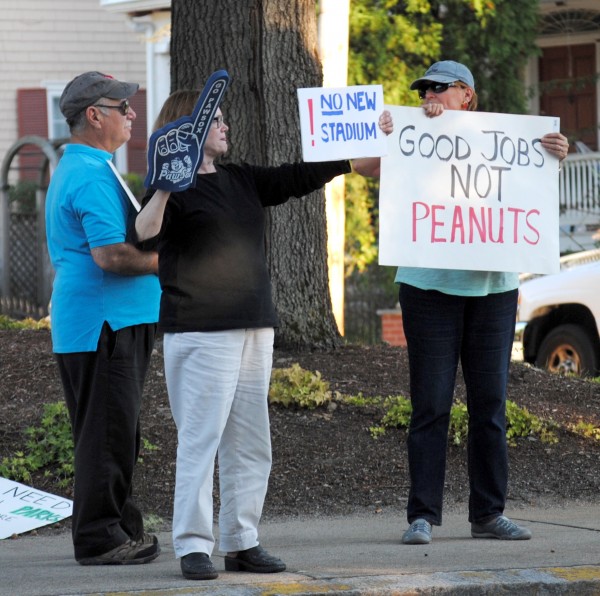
86,207
458,282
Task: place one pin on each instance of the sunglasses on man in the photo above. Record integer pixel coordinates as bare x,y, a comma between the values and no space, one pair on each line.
123,107
436,88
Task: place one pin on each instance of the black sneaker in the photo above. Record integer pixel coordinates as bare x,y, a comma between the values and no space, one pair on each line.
198,566
254,560
131,552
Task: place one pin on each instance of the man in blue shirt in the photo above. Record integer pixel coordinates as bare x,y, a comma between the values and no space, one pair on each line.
104,309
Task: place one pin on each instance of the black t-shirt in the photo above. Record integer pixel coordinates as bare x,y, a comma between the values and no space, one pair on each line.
212,264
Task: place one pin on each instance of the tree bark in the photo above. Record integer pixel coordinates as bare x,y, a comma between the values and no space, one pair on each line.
269,49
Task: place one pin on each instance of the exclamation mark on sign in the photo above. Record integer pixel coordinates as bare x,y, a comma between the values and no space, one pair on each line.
312,125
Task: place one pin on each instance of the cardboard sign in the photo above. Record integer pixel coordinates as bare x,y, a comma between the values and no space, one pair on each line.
341,123
469,190
23,508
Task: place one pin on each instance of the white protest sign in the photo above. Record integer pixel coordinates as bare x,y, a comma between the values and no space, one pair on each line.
23,508
341,123
469,190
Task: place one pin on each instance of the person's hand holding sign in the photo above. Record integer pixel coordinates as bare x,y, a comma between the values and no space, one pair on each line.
175,151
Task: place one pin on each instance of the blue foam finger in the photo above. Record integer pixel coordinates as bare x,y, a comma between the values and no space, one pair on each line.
207,104
172,160
175,151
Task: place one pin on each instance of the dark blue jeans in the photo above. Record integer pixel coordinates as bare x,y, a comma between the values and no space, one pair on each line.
440,330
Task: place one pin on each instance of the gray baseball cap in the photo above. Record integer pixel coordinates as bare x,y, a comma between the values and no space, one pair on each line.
87,88
446,71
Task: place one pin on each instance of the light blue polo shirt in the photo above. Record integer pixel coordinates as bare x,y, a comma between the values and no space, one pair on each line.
458,282
86,207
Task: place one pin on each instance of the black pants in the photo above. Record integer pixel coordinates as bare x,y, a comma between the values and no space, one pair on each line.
103,392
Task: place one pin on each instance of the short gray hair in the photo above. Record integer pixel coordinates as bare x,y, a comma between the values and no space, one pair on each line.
78,123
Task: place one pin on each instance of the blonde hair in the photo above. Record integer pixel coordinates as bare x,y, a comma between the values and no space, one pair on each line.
179,103
472,106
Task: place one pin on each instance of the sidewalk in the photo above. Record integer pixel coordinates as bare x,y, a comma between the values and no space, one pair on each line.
347,556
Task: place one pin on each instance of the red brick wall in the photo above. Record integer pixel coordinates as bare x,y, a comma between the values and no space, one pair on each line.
392,328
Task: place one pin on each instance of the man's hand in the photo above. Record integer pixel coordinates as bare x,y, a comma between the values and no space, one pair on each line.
176,150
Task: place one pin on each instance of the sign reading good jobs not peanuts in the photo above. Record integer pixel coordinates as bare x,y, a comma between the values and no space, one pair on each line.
469,190
341,123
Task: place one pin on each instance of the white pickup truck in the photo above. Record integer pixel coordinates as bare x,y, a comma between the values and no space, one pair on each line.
559,316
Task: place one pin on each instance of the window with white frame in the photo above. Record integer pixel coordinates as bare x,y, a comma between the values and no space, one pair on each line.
57,126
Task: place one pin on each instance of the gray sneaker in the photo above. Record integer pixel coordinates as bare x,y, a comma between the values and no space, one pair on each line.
419,532
501,528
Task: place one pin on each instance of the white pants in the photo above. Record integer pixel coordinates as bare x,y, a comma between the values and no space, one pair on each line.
218,384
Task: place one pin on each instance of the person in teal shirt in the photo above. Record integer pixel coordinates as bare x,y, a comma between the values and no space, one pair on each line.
453,316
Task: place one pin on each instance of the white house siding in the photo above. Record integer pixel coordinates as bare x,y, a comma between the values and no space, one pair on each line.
43,41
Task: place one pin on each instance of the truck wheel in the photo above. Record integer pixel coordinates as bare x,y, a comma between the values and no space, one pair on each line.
568,349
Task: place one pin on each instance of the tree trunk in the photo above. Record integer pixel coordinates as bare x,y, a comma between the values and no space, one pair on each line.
269,49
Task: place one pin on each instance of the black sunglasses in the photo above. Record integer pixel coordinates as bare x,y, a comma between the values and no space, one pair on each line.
123,107
436,88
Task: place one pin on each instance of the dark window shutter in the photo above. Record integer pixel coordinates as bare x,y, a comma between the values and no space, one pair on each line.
32,119
32,112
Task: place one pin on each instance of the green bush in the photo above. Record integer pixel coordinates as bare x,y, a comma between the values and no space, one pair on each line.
153,523
295,386
136,184
586,429
361,401
49,445
459,422
8,323
22,196
522,423
519,421
398,412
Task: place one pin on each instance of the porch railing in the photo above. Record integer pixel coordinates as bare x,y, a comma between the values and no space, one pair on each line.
579,196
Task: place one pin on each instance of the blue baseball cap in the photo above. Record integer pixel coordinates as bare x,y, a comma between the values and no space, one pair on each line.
446,71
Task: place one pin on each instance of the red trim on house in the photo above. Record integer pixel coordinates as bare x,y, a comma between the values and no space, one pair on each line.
32,119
